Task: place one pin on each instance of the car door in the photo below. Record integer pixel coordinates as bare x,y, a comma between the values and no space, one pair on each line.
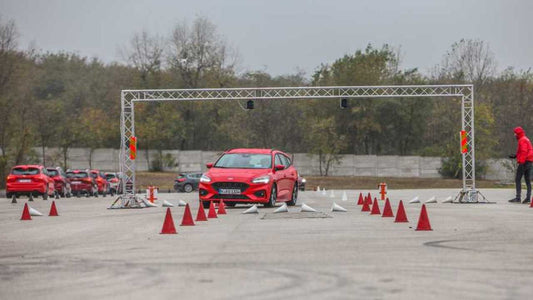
290,173
281,178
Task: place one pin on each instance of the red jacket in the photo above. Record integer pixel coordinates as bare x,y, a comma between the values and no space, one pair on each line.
524,152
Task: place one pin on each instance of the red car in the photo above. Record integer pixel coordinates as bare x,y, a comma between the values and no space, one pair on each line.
81,182
101,182
114,182
62,183
250,176
29,179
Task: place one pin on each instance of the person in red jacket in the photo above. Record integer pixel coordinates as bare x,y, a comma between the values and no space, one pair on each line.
524,158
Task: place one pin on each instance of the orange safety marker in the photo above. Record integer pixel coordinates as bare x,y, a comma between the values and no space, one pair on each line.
360,201
401,217
200,216
168,224
375,208
212,212
382,190
53,210
221,208
423,220
387,210
25,213
366,206
187,217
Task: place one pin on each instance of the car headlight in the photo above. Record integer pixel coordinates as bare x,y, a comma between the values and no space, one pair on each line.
303,180
262,179
205,178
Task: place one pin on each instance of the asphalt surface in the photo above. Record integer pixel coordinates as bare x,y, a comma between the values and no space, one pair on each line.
475,251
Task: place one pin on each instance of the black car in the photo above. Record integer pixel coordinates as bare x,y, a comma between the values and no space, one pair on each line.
187,182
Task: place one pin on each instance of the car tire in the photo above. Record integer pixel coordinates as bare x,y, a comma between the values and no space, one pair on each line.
273,196
187,188
63,193
294,196
45,194
104,193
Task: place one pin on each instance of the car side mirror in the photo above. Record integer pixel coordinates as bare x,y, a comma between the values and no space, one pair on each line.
279,167
209,165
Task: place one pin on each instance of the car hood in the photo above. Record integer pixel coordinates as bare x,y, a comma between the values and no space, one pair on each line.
220,174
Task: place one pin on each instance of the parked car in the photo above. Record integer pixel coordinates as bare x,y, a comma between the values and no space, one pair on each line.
262,176
29,179
114,182
81,182
187,182
62,183
101,182
301,183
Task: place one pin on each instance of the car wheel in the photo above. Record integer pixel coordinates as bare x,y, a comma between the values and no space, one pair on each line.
63,193
294,197
206,204
104,193
273,196
45,194
187,188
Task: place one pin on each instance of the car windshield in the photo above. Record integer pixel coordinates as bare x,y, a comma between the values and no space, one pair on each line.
76,175
244,161
94,175
25,171
52,172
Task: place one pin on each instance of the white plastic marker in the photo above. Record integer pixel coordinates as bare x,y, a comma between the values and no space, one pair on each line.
432,200
447,200
251,210
34,212
306,208
182,203
415,200
336,207
281,209
344,196
148,203
167,204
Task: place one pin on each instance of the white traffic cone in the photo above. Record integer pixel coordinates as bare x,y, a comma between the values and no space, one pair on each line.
431,200
344,196
167,204
318,188
251,210
282,208
448,200
331,194
182,203
306,208
415,200
148,203
324,192
336,207
34,212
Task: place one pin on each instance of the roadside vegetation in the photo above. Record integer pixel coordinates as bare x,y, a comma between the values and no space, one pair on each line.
65,100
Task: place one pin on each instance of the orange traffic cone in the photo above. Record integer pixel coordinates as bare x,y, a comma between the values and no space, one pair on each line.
53,210
531,202
387,210
375,208
400,214
187,217
423,221
212,213
25,213
221,208
168,224
200,216
369,198
366,206
360,201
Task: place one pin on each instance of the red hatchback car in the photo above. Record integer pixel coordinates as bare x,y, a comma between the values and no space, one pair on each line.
29,179
81,182
62,183
101,182
250,176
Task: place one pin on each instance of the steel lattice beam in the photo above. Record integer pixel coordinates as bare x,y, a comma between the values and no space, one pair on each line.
464,91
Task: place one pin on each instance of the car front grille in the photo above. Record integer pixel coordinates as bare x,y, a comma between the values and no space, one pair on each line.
230,185
218,196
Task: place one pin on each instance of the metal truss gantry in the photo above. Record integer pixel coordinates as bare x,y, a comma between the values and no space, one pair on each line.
129,97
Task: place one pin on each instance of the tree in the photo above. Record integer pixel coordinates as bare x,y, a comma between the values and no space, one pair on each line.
145,53
325,142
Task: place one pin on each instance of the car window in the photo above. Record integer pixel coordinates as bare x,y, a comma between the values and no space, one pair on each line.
25,171
244,161
77,175
278,160
286,161
52,172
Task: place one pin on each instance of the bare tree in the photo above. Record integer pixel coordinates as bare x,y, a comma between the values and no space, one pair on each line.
198,49
145,53
469,61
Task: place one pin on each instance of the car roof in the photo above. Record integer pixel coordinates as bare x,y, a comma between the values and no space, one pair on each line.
28,166
251,150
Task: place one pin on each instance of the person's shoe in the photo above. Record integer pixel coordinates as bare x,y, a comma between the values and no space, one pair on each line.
526,201
515,200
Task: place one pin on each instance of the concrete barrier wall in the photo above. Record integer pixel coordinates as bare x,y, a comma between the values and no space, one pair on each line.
307,164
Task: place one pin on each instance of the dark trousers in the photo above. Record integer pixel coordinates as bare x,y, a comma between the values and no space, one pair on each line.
523,170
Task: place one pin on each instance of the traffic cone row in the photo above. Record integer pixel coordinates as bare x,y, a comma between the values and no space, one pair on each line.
187,220
28,211
401,217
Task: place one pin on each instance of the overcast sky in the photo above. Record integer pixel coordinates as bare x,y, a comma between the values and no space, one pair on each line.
283,36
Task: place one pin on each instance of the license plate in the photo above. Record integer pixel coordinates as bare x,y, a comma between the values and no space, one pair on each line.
25,180
230,191
75,182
